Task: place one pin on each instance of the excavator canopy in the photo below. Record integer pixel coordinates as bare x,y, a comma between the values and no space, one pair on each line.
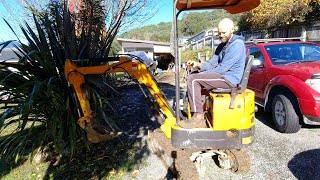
232,6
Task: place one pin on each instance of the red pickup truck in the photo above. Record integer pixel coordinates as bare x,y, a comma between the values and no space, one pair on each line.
285,77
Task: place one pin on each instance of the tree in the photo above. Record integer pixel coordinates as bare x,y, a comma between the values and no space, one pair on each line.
194,22
190,25
40,103
159,32
112,16
192,55
271,13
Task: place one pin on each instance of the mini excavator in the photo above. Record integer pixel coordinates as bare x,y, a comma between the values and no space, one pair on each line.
229,113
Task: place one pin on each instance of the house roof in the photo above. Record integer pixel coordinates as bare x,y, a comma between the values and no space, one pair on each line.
8,53
145,42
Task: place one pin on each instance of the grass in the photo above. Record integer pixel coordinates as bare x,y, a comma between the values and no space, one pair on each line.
25,170
8,130
5,131
112,160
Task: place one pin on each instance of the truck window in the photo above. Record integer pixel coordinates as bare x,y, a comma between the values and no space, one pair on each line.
257,54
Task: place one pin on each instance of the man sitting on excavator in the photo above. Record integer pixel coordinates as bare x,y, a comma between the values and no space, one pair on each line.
224,70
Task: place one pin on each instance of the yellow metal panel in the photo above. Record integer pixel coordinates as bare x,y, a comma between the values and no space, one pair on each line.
238,118
247,140
167,125
249,108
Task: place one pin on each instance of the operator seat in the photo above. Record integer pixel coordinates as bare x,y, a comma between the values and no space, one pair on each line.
285,54
241,87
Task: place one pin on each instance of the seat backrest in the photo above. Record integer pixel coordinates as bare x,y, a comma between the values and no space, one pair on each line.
285,54
244,81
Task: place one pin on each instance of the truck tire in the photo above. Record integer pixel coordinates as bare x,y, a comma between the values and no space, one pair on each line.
284,115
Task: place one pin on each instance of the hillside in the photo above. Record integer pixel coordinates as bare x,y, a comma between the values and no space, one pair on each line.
190,24
159,32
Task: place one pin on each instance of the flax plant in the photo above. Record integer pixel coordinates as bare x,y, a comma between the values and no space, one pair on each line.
37,103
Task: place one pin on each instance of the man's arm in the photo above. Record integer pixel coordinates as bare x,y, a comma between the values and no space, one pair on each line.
235,52
214,61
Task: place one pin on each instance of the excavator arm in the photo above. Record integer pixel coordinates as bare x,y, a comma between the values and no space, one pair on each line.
138,71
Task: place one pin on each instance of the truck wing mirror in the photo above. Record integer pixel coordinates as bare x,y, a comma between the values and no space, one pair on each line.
257,63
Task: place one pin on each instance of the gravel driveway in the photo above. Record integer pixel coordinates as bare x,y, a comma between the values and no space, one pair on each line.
277,156
273,155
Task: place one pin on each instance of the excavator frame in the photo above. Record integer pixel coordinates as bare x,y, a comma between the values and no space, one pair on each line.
229,130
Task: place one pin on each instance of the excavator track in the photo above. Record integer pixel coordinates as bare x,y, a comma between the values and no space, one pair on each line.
177,160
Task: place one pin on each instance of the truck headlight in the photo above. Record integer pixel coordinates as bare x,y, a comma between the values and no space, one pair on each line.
314,82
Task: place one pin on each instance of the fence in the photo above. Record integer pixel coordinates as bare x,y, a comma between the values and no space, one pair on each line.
310,32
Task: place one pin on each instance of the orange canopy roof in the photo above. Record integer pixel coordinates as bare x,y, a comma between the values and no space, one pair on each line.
232,6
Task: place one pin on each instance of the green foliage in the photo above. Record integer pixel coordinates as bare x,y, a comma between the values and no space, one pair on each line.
191,24
159,32
40,104
115,48
189,55
268,14
272,14
243,23
192,55
314,14
37,95
194,22
25,170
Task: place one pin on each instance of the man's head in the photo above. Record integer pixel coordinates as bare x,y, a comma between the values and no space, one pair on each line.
225,29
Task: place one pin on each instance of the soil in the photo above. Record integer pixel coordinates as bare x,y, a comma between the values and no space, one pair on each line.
138,118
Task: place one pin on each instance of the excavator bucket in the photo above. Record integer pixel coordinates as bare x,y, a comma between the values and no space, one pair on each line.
96,134
232,6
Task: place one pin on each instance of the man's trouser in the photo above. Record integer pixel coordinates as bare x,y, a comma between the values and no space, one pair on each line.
199,81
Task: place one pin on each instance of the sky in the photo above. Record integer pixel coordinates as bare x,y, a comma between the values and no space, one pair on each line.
163,13
5,31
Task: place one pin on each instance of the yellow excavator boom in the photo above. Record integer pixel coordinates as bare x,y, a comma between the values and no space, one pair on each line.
138,71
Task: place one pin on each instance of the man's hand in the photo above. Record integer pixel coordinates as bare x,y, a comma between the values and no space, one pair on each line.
194,64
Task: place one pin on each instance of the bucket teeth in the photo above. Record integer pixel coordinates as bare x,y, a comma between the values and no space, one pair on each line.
96,134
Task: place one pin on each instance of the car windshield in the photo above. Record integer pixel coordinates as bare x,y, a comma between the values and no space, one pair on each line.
293,53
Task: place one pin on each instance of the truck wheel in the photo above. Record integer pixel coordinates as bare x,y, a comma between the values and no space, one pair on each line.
284,115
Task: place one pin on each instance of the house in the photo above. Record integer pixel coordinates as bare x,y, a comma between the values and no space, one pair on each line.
183,39
159,51
208,38
8,53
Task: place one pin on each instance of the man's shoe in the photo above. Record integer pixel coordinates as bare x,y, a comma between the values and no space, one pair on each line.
197,121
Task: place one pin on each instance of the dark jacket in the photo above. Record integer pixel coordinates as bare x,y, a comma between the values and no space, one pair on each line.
228,60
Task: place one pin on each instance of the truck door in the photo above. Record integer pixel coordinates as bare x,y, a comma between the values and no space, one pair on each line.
257,74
